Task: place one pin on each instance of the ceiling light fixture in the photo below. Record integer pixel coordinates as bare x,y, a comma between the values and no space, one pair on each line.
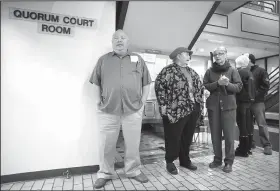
215,41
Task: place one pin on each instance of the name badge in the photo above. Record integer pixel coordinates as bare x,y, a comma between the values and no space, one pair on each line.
134,58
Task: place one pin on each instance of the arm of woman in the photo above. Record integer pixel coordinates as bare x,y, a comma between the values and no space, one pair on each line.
210,86
236,85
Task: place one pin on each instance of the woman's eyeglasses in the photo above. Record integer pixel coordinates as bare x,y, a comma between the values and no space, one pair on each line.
219,54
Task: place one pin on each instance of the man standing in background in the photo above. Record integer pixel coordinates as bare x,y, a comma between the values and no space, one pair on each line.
122,79
258,108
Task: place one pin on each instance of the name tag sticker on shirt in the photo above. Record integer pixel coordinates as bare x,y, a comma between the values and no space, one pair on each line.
134,58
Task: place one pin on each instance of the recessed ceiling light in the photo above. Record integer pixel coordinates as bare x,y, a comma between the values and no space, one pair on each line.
201,50
215,41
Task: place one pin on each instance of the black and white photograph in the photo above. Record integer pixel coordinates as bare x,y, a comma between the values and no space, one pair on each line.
139,95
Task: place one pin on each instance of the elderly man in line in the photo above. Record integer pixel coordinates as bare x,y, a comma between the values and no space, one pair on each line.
179,93
223,82
122,79
244,99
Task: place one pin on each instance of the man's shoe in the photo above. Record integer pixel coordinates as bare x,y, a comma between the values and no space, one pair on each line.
171,168
253,146
215,164
250,152
227,168
190,166
100,182
142,178
267,151
239,153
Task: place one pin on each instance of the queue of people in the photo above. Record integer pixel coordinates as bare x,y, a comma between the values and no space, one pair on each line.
122,81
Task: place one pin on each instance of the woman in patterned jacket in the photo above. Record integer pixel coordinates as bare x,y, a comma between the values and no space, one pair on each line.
179,93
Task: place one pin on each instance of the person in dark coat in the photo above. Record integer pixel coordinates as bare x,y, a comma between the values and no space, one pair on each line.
258,107
179,93
244,98
223,82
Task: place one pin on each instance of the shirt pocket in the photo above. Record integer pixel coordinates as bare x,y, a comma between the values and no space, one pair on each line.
137,70
137,78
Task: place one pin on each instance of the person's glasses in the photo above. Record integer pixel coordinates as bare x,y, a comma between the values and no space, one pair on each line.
218,54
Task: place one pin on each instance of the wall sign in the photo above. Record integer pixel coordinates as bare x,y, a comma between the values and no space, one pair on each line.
51,23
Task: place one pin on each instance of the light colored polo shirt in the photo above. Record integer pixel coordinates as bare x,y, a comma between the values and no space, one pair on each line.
121,81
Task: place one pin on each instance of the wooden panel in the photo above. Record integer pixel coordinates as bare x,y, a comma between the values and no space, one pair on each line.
219,20
259,25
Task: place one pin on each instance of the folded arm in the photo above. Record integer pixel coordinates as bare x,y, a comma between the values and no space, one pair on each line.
161,90
210,86
146,90
95,79
264,85
236,85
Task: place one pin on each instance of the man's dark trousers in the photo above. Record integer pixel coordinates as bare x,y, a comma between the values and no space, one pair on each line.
244,118
258,110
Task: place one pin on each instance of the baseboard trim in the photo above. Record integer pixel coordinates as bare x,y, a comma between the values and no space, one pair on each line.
48,174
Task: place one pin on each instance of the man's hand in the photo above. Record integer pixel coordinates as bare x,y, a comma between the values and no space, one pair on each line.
142,108
223,81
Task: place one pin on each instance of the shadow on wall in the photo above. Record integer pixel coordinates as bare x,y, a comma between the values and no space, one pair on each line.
89,120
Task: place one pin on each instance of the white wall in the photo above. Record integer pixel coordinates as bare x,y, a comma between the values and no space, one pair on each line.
260,63
272,63
48,118
199,64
